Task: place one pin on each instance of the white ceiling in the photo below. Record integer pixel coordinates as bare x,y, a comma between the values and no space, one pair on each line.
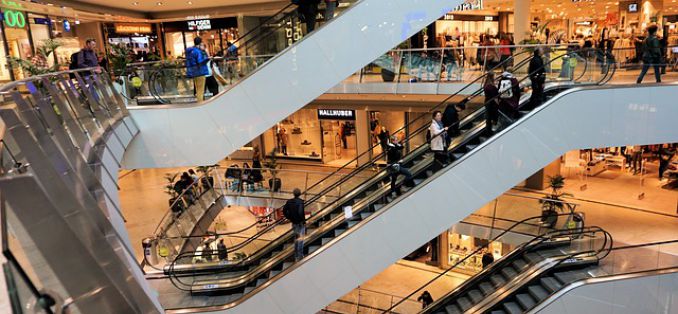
171,5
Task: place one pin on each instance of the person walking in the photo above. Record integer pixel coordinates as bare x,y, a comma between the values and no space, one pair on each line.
394,154
451,119
509,95
651,55
438,134
491,102
294,212
196,67
537,75
86,57
308,10
426,299
330,5
211,84
487,259
665,155
222,252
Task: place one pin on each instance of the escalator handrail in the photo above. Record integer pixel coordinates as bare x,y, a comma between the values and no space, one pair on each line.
357,170
348,176
523,246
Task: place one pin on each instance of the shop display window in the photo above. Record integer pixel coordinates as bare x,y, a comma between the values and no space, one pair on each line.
299,135
4,68
460,246
174,44
19,47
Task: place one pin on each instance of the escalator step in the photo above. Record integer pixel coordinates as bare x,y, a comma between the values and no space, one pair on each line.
453,309
429,173
261,282
551,284
471,147
286,265
364,215
482,138
497,280
324,241
377,207
532,258
418,181
338,232
498,312
487,288
525,301
457,155
464,303
512,308
519,264
571,276
248,290
352,223
538,292
313,248
273,273
509,272
476,296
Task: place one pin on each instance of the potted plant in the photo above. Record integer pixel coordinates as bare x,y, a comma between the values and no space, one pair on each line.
38,64
206,181
169,190
552,204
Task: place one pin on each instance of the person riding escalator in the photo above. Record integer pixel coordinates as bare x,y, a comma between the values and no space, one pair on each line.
537,78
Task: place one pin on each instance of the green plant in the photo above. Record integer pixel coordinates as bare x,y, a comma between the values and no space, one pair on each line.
38,64
119,57
169,186
272,160
553,201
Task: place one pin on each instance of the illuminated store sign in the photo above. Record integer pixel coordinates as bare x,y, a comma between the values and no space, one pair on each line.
633,7
336,114
469,5
133,28
199,25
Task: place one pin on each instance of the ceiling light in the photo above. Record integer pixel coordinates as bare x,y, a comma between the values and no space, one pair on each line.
189,2
135,3
158,3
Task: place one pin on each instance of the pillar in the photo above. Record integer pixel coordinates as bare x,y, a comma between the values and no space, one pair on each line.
539,180
362,130
521,18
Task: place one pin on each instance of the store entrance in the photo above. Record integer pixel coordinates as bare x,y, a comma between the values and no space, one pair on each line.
338,141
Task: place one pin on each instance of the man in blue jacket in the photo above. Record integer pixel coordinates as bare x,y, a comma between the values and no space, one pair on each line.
196,67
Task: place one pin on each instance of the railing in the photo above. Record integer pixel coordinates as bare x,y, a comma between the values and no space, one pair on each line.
179,229
64,134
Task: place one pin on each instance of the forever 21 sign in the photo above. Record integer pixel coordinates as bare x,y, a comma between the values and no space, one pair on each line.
336,114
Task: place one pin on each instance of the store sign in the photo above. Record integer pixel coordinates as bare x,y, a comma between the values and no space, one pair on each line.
16,19
199,25
467,17
67,26
469,5
336,114
133,28
43,21
633,7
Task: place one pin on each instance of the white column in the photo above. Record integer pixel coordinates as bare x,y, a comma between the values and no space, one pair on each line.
521,18
362,130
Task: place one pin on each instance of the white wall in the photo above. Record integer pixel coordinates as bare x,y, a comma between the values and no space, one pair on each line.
576,119
647,294
173,136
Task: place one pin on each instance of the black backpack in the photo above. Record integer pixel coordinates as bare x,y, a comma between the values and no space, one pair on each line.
74,61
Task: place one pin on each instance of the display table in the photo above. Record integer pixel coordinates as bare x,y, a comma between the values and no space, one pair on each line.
595,167
617,161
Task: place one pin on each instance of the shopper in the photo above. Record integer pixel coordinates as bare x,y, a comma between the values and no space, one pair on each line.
211,84
257,176
665,155
451,119
504,51
86,57
207,253
491,102
294,212
196,67
308,10
487,259
330,5
438,134
284,139
651,55
450,57
537,75
394,153
222,251
509,95
426,299
636,158
383,136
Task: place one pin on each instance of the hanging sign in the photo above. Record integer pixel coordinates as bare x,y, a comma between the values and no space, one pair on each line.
469,5
336,114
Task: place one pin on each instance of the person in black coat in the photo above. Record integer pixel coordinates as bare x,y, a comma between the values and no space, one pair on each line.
451,119
491,102
537,75
308,10
394,154
294,212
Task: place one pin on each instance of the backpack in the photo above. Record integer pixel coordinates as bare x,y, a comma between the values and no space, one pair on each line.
505,88
74,61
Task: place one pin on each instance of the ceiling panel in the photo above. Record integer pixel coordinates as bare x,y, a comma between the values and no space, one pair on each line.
171,5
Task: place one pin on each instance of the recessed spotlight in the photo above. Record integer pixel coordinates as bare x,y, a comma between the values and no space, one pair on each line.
158,3
135,3
189,2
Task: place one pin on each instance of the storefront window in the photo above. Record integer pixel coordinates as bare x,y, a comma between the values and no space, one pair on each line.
66,37
19,47
174,45
298,136
214,33
4,69
460,246
385,124
39,25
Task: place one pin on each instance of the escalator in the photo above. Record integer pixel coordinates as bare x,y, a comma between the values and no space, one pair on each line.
278,87
529,274
232,282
